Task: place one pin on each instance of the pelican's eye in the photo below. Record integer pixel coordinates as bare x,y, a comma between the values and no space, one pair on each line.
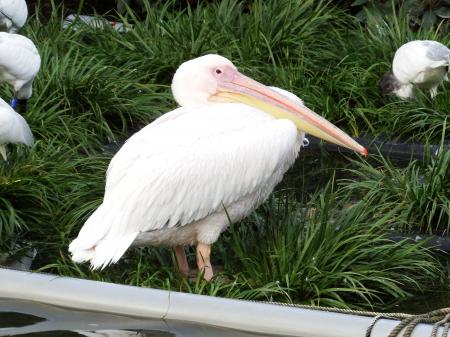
219,71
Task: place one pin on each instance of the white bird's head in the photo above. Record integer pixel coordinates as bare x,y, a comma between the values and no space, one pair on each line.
196,80
390,84
213,78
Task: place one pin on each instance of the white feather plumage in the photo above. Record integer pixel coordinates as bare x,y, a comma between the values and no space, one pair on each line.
19,63
13,127
182,171
420,63
13,14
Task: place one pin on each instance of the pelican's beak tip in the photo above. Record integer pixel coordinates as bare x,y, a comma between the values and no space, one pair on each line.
365,152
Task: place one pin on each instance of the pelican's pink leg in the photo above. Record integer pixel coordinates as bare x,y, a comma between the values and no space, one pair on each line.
182,262
203,261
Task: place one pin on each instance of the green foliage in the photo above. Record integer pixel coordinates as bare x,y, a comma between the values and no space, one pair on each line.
421,14
329,254
417,196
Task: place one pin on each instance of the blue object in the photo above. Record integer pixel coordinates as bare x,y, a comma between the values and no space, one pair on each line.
14,103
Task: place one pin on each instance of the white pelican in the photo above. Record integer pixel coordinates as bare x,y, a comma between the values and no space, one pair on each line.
420,63
13,128
19,64
13,14
219,155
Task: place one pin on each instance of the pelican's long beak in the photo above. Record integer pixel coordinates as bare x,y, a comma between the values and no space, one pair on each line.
243,89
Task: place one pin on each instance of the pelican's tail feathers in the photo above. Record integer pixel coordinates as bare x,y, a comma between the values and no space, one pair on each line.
81,255
99,241
94,230
107,251
111,250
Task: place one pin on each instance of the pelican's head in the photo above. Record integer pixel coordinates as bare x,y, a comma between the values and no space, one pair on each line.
213,78
196,80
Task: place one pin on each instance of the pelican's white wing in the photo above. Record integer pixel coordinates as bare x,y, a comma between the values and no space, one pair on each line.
19,59
13,14
13,127
416,62
181,169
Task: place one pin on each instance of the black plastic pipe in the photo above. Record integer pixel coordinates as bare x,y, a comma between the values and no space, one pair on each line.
390,149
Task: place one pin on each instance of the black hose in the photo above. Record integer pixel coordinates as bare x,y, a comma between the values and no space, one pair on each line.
390,149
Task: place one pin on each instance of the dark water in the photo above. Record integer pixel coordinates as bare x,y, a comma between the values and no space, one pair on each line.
13,319
424,303
31,319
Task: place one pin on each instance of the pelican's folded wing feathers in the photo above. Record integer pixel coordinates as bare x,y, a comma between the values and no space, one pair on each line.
186,168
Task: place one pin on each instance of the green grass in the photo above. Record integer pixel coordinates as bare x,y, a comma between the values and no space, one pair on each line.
417,196
329,254
98,86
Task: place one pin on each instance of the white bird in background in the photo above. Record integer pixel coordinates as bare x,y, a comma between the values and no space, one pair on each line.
181,179
13,128
13,14
19,65
420,63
